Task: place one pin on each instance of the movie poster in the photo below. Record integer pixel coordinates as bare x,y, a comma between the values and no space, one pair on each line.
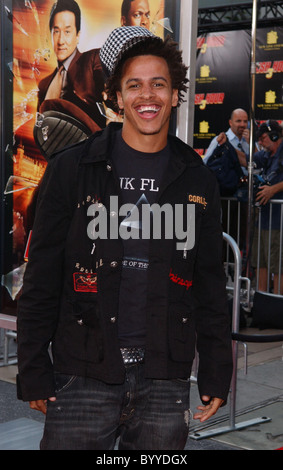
35,58
223,80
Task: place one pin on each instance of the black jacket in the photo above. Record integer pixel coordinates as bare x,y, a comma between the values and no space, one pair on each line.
71,286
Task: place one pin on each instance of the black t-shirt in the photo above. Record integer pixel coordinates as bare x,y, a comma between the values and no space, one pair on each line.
140,176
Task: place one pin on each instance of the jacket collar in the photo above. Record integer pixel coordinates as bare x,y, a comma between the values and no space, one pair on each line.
98,147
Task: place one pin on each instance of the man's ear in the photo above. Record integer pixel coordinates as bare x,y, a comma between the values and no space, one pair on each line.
175,98
120,100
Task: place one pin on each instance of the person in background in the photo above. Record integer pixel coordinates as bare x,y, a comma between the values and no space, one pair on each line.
135,13
269,161
123,313
77,84
238,135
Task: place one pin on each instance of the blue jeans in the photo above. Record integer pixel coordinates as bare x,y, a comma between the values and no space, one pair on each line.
90,415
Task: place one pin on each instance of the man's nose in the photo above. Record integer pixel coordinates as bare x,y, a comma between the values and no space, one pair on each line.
146,91
144,20
61,38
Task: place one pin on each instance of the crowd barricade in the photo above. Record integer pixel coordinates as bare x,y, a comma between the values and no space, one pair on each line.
8,331
236,338
234,222
274,203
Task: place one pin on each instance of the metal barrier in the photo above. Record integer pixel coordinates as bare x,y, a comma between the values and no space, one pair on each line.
237,215
235,224
273,206
236,337
8,330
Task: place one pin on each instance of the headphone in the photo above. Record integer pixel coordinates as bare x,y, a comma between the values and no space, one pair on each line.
273,134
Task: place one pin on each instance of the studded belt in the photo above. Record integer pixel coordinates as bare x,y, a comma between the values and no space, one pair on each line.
132,355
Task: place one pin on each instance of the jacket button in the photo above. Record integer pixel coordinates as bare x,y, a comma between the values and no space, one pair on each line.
114,264
184,320
80,322
113,319
109,167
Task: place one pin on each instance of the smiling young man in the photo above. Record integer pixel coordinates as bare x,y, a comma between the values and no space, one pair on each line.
124,309
146,98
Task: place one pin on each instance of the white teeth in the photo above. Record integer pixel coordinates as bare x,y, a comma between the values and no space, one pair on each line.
146,109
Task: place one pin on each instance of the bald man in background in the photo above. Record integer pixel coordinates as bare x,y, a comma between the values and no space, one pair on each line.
238,134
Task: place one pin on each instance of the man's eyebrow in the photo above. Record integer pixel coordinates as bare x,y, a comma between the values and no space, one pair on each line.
66,27
139,79
141,11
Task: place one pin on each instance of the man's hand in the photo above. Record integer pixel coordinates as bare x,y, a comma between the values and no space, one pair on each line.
206,411
267,192
221,139
40,405
246,135
264,194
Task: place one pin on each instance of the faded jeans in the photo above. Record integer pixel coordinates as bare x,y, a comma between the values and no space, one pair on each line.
146,414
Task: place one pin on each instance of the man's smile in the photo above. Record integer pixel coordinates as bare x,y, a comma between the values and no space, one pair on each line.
147,111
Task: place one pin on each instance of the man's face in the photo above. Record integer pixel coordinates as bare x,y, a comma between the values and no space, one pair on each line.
65,37
238,123
146,97
139,14
265,142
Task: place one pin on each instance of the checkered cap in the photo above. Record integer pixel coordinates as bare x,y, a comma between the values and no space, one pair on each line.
120,40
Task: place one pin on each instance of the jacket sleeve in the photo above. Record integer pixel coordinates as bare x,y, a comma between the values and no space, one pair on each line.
39,302
212,146
213,324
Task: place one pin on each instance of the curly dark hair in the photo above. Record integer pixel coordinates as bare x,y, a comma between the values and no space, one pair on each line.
166,49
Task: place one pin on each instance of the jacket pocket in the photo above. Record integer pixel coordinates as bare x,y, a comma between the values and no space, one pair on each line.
80,331
85,312
181,337
63,382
